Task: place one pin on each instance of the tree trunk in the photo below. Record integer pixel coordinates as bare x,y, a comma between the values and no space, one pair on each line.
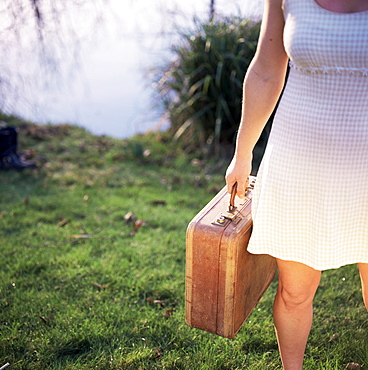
212,9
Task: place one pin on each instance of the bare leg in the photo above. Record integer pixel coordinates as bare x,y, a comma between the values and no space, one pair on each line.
293,310
363,270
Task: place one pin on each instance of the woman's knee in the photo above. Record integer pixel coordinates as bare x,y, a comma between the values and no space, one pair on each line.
298,284
295,297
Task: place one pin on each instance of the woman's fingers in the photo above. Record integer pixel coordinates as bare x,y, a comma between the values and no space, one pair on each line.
242,185
242,188
238,172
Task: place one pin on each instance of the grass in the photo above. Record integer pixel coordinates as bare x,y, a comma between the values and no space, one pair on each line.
93,264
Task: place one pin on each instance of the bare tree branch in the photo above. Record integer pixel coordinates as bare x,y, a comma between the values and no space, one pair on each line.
40,38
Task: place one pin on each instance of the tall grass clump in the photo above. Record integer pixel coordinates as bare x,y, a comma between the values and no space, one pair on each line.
201,87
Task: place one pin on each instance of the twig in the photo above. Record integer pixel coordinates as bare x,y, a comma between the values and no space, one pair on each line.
4,366
98,230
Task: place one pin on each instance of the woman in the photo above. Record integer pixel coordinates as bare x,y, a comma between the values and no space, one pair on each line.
310,203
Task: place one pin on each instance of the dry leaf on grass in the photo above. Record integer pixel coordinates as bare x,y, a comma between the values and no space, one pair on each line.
129,217
43,318
82,236
157,301
63,222
159,352
138,224
353,365
334,337
168,313
99,286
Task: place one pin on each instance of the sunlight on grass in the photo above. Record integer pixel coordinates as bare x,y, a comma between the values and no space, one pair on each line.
93,265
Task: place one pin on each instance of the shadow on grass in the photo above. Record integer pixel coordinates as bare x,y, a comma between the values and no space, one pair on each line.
74,348
258,346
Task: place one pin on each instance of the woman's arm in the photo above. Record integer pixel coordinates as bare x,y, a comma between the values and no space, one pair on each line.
262,87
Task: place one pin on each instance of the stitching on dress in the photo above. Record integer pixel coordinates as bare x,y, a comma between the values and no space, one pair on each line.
326,70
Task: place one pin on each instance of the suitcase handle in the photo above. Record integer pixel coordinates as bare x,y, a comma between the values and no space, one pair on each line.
250,185
232,197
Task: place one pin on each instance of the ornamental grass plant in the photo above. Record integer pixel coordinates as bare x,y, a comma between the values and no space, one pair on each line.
201,86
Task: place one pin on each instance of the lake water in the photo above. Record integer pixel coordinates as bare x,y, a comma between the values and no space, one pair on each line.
111,93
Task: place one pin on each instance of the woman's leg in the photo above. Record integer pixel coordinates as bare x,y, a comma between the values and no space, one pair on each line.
293,310
363,270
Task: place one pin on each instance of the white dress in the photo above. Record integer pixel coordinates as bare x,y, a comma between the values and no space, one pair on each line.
310,202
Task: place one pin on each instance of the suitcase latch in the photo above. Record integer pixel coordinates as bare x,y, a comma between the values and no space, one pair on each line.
224,218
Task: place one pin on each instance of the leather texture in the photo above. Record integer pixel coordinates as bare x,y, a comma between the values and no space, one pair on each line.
224,282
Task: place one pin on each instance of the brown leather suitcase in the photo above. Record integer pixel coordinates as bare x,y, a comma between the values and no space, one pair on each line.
224,282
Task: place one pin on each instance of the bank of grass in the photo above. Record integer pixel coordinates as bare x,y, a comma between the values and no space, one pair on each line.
93,258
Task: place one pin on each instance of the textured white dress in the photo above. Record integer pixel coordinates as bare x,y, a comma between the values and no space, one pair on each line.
310,202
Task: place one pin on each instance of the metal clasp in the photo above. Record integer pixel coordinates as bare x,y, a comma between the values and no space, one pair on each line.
225,217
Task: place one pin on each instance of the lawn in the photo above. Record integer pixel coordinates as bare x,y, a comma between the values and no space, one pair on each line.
93,264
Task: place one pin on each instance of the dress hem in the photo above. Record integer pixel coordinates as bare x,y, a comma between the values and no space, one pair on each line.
313,266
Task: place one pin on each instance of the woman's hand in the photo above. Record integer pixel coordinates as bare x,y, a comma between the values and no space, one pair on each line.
238,172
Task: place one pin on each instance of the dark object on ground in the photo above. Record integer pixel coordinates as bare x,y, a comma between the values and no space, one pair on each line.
9,157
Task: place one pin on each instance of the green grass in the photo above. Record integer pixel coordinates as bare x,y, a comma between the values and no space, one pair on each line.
81,288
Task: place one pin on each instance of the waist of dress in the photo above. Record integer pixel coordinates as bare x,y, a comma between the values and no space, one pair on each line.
363,71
